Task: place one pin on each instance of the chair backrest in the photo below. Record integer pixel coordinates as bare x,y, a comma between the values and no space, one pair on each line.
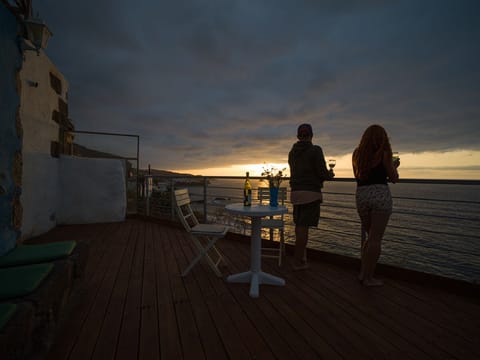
264,195
184,210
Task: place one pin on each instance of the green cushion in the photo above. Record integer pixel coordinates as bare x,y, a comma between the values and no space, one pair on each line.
38,253
6,312
22,280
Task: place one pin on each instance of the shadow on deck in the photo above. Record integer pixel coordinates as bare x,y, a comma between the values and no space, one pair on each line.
133,304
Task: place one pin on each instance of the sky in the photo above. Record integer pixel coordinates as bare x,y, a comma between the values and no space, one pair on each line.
218,87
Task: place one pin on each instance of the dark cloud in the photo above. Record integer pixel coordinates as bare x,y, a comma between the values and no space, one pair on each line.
205,82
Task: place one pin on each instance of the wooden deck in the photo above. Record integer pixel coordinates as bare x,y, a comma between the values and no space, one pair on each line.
133,304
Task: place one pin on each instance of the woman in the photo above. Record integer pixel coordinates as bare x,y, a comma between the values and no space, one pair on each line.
373,167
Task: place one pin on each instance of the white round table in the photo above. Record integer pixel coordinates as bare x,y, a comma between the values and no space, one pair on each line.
255,276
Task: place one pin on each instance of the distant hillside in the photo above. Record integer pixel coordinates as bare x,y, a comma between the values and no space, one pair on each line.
156,172
79,150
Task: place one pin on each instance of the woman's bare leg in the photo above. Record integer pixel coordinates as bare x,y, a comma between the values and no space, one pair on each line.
373,246
364,234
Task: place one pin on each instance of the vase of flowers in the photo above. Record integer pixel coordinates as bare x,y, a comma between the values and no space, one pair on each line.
274,196
274,177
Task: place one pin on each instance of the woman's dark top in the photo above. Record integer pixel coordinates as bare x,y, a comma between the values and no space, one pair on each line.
377,175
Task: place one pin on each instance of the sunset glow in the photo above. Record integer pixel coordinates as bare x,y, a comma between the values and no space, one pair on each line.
463,164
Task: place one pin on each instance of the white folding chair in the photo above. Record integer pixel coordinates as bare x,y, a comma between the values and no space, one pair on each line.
274,223
204,236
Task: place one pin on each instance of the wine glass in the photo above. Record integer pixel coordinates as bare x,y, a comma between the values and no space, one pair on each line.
332,163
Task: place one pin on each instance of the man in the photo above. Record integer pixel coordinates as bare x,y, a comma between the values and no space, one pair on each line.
308,171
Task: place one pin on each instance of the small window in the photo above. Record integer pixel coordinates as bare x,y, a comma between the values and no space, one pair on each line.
56,84
63,108
56,116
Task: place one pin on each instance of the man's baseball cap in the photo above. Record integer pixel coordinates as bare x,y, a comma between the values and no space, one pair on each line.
304,130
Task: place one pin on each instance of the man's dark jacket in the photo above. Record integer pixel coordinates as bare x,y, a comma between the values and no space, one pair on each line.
307,167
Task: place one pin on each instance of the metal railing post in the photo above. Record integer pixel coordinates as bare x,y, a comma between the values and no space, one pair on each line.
205,183
138,170
172,199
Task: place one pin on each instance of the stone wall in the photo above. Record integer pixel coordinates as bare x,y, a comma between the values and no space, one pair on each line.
10,132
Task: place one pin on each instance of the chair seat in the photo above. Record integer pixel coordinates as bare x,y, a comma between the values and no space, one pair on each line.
273,223
209,229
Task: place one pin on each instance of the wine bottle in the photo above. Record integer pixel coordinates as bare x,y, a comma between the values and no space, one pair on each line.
247,192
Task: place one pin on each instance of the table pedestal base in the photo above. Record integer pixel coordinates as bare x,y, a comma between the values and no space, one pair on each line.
255,276
256,279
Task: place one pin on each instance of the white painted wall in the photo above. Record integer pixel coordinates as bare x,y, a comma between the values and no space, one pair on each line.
92,190
71,190
40,191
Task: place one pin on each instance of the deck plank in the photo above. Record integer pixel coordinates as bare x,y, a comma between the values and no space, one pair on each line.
208,336
128,341
364,306
423,333
274,325
90,332
108,338
170,347
132,303
149,337
455,311
188,331
85,293
217,293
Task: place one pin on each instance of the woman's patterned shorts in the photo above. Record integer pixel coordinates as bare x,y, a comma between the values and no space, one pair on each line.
373,198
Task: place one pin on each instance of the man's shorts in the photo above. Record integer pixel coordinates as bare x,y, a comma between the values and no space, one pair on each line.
307,214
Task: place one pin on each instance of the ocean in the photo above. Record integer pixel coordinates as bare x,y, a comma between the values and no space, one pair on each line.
434,228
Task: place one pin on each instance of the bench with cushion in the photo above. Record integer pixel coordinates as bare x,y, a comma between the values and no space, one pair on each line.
22,280
6,312
37,253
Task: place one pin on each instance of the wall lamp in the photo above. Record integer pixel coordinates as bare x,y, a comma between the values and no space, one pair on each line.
37,34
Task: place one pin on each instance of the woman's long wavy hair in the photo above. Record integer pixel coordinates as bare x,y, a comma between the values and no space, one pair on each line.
369,153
